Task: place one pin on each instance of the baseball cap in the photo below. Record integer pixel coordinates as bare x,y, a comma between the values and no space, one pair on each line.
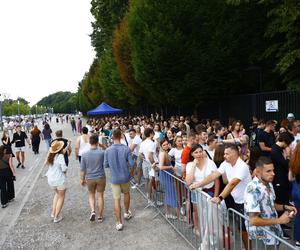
290,116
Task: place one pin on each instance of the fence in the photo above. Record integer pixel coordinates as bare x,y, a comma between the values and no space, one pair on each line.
203,224
242,107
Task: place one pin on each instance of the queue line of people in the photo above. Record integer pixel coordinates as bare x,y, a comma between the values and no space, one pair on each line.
193,152
244,158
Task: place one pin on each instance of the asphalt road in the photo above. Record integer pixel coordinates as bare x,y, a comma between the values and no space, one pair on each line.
26,222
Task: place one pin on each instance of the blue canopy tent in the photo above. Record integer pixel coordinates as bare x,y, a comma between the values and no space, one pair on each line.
104,109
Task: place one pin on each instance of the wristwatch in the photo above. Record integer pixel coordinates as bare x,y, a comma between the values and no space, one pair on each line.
220,197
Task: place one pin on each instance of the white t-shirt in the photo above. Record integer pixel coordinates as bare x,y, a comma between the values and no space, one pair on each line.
156,136
147,146
176,153
125,140
295,141
137,141
55,173
90,128
240,171
83,146
211,153
209,168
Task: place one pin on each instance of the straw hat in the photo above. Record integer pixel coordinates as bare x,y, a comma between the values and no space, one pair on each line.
56,146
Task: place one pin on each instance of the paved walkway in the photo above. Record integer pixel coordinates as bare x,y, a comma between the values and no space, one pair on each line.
26,223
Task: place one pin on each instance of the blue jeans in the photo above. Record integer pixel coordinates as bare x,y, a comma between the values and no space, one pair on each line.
296,199
48,142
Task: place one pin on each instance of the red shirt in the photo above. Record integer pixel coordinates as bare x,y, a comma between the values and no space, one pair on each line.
185,155
185,158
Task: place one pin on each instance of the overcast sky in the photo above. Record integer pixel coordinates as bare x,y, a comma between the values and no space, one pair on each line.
44,46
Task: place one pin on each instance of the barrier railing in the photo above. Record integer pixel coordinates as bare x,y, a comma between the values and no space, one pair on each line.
203,224
235,220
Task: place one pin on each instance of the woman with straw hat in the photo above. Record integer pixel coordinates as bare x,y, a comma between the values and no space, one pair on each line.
56,175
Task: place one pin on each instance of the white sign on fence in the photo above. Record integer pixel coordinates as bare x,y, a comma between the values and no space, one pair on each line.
272,106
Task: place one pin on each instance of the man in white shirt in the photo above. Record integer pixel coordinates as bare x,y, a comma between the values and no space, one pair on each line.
238,176
147,151
134,142
293,128
202,137
261,207
212,143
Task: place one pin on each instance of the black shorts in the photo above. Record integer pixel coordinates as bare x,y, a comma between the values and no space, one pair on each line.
240,209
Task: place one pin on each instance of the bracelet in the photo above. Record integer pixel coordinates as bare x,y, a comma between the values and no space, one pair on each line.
220,197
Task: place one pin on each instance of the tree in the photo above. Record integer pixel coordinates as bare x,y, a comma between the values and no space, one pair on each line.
61,102
107,14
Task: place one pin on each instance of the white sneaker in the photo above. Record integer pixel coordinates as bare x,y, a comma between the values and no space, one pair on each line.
59,219
159,203
93,216
128,216
134,186
119,226
182,211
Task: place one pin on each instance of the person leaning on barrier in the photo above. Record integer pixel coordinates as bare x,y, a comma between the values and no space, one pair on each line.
261,207
238,176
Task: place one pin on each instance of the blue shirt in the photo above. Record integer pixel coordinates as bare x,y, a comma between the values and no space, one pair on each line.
118,158
92,164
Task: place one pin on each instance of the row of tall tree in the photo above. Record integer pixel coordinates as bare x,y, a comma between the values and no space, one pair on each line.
60,102
186,52
11,107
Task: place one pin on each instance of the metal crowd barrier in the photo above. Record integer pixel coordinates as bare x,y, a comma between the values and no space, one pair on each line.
235,220
215,227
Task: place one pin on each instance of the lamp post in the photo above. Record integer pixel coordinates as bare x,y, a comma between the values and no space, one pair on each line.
18,109
1,122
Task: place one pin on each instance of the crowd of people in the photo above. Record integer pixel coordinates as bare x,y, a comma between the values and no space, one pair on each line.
255,171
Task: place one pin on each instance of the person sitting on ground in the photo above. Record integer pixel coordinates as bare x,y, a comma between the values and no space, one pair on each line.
92,173
261,207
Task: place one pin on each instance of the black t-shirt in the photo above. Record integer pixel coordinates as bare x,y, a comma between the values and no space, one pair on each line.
175,130
281,167
19,139
269,140
66,156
